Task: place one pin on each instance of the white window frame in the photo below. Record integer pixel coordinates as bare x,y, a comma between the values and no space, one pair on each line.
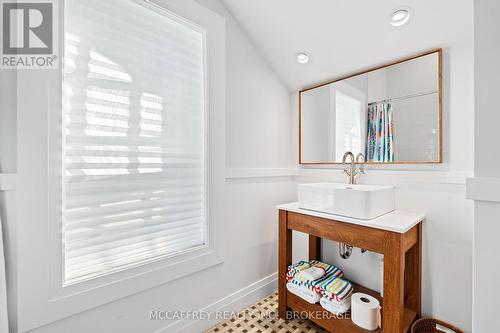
42,298
358,95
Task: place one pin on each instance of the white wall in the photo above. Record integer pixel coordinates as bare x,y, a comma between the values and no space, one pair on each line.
257,140
8,168
484,188
257,113
439,191
7,121
317,124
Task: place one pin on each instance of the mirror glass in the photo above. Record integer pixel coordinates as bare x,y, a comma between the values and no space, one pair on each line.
390,115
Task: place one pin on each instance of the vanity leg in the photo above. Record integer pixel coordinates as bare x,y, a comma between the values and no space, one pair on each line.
284,260
314,248
413,274
393,304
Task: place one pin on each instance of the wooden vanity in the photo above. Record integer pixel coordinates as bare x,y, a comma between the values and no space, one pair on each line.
396,235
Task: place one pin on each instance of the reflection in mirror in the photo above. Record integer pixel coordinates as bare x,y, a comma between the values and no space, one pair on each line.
391,115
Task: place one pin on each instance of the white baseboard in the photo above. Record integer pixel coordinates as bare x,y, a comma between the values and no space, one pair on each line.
236,301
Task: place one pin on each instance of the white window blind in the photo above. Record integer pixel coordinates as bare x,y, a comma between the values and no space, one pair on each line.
134,147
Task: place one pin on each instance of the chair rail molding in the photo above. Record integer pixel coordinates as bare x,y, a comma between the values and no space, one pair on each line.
483,189
235,173
391,176
336,174
8,181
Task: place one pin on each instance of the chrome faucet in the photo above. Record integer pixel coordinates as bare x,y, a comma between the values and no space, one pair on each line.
345,250
360,158
352,172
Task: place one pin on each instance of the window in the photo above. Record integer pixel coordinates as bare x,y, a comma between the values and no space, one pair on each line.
134,142
124,58
348,120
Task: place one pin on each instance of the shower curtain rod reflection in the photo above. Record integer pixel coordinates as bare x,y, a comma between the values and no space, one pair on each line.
404,97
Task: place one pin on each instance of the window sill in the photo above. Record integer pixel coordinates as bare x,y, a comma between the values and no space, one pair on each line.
73,299
162,271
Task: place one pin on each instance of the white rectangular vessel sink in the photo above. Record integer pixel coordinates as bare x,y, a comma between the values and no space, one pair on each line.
357,201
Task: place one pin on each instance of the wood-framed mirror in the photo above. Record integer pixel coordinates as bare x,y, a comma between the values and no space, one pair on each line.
392,114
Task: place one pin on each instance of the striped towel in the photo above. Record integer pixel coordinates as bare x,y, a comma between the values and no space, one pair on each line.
335,288
312,273
330,270
296,268
314,285
331,285
338,301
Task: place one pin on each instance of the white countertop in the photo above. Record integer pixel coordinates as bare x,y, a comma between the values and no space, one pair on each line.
396,221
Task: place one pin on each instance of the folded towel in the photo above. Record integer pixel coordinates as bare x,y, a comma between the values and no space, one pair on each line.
314,285
310,274
296,268
335,307
336,301
330,270
304,293
335,288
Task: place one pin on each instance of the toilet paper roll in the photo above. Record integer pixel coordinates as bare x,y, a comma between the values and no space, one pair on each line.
365,311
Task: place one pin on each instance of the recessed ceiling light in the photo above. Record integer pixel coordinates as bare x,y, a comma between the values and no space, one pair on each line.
302,58
400,17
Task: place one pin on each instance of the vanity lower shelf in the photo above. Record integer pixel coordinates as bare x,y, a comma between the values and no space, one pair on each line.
342,324
397,236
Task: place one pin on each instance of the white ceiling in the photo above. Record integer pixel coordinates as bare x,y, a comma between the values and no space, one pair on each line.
345,36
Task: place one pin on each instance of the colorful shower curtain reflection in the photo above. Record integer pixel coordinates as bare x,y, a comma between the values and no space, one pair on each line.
380,133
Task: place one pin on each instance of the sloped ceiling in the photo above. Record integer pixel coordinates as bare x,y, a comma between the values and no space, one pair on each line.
345,36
